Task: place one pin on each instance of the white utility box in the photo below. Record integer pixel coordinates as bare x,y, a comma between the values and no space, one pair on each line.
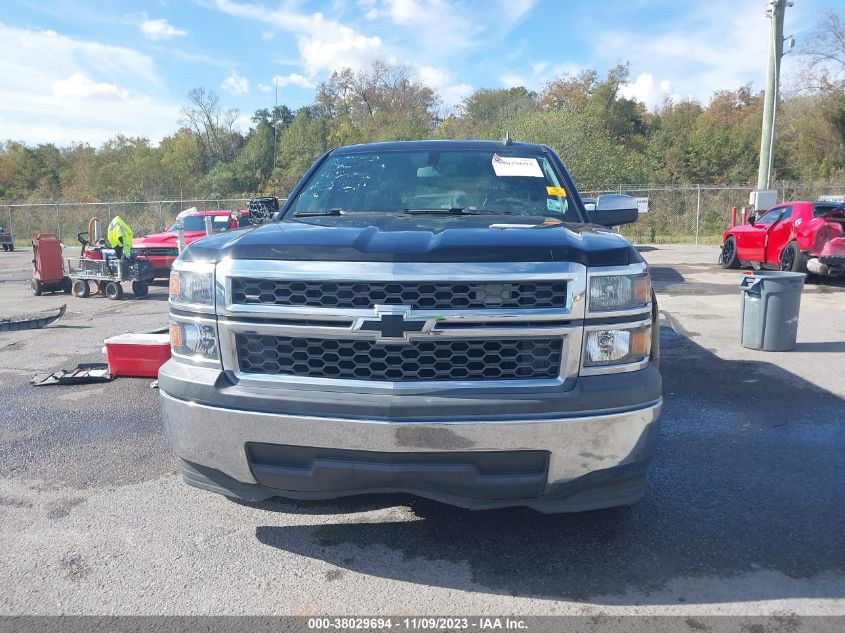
762,199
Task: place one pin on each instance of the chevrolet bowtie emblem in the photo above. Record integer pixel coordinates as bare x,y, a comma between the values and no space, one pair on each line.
393,324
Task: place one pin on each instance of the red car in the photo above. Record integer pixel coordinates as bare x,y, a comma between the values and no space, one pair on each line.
161,248
794,236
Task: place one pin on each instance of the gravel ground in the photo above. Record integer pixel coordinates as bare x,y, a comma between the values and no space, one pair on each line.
745,512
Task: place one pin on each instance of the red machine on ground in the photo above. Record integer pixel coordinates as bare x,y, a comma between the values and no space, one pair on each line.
6,239
162,248
48,271
793,236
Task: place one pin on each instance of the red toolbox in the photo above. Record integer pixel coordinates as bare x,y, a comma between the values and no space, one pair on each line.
137,354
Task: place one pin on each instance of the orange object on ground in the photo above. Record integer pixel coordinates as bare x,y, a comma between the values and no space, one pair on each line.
137,354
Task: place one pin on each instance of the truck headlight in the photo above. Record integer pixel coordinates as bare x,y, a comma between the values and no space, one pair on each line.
616,346
619,292
192,288
194,339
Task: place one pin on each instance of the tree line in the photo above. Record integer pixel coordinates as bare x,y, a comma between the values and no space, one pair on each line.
603,137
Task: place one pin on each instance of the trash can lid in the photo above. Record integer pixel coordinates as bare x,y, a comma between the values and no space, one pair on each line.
774,274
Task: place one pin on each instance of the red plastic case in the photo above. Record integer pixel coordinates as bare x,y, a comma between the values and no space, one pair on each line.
137,354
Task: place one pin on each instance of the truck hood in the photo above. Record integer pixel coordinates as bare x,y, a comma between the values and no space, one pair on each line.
391,238
164,239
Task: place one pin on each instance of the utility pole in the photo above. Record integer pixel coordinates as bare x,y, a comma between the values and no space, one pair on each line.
273,119
775,10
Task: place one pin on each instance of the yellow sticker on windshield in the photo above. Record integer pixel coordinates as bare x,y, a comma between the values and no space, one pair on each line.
556,191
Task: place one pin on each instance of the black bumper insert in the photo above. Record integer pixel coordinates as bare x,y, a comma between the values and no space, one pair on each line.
478,475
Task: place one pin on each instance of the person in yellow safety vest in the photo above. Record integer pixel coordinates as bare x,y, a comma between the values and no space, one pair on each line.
119,237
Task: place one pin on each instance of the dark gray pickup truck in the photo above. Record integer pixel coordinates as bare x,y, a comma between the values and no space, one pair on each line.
441,318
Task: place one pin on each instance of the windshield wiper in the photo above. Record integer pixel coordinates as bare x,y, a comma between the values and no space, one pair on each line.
312,214
454,211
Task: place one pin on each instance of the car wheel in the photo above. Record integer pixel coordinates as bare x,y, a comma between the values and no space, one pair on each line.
36,287
792,259
81,288
114,290
729,258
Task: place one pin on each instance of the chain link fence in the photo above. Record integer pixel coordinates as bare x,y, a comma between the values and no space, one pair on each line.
67,219
699,214
689,214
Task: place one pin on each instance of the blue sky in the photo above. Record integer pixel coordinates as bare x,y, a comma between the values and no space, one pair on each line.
75,71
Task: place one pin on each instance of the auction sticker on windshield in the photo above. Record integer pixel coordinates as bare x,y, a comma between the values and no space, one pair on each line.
511,166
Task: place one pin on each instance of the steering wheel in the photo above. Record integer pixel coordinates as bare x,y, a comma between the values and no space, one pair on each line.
519,203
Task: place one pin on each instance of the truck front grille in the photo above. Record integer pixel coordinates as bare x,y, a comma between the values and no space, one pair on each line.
439,359
155,252
417,295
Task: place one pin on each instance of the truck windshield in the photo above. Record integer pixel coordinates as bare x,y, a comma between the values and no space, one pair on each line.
465,181
219,223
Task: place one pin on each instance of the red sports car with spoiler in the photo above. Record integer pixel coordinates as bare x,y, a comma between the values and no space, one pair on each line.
162,248
807,237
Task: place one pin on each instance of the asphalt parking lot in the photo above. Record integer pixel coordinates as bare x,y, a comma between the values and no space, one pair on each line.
745,512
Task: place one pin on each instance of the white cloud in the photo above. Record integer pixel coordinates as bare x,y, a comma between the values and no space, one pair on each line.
293,79
324,44
513,11
235,84
444,83
538,67
645,90
512,80
437,31
541,73
80,86
242,123
264,87
347,49
712,46
61,89
160,29
267,35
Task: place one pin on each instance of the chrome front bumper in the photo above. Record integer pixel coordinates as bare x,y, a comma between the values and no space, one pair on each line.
216,438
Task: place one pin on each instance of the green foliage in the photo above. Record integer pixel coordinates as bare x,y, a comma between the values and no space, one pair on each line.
486,112
604,138
303,142
593,159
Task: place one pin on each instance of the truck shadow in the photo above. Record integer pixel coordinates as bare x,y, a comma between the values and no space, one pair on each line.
749,479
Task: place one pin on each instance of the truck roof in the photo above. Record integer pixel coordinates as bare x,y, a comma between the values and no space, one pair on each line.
432,145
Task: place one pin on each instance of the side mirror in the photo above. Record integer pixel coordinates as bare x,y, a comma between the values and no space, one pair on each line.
262,210
613,209
752,219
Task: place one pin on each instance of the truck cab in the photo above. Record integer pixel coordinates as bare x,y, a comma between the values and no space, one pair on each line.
441,318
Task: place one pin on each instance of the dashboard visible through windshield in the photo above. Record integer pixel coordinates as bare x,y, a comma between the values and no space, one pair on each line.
465,181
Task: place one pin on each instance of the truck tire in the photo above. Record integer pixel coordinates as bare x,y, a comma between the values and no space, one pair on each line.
792,259
80,288
114,290
140,288
36,287
729,257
